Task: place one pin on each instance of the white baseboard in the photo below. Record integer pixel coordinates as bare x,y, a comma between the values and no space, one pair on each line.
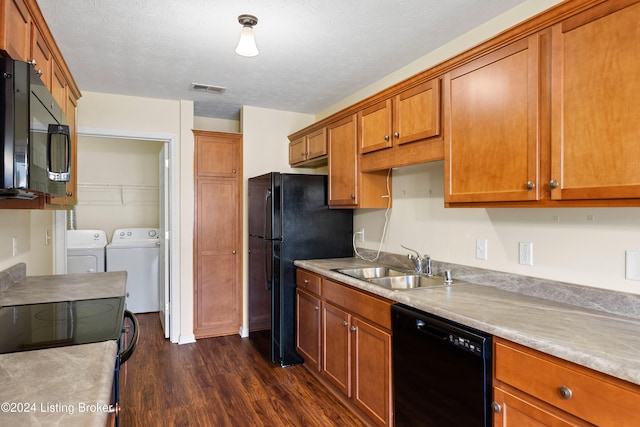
187,339
244,332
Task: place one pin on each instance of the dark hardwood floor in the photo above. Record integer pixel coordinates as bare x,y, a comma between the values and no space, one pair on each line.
219,382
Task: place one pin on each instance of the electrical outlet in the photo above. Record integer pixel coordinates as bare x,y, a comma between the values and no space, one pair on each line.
481,249
525,253
361,234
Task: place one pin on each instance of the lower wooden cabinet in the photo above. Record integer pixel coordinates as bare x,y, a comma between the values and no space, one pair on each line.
344,335
535,389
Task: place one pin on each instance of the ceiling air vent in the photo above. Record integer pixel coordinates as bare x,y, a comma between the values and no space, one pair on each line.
199,87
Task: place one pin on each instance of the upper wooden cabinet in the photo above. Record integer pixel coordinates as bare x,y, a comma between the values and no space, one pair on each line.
412,115
217,154
492,126
595,92
41,56
348,187
309,149
550,120
15,29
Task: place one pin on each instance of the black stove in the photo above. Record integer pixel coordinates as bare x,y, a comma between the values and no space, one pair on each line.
57,324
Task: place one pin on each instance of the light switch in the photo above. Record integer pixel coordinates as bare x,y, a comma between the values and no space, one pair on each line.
632,265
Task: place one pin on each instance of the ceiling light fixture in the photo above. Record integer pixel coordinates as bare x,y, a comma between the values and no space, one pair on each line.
247,44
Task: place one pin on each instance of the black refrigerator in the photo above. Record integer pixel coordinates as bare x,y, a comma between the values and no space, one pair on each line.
289,219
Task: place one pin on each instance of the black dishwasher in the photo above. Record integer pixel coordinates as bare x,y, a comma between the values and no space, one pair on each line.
441,371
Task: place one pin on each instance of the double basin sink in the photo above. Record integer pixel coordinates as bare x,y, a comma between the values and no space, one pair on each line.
394,279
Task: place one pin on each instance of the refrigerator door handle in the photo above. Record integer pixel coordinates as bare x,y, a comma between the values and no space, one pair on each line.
267,208
268,270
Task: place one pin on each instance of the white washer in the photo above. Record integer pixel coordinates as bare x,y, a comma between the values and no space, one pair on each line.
86,251
136,251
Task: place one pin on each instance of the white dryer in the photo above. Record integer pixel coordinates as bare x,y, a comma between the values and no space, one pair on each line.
137,251
86,251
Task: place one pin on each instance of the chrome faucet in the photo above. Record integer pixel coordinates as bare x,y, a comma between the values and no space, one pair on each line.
422,263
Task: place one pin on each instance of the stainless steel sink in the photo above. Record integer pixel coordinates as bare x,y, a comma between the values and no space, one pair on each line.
372,272
409,281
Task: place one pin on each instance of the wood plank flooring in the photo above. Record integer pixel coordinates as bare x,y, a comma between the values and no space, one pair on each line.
219,382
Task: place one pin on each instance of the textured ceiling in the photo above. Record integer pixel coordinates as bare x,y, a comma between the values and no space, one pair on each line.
313,53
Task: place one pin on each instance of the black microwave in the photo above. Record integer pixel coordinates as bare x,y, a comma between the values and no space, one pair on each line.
36,143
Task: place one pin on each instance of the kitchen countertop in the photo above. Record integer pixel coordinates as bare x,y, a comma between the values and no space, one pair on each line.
64,386
20,289
600,340
70,385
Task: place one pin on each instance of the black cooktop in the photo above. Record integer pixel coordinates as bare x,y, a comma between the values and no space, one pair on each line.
58,324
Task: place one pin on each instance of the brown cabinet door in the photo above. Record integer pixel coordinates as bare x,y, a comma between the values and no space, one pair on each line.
519,411
343,163
372,371
217,154
308,320
41,54
298,150
217,299
492,126
375,127
336,347
15,28
317,144
416,113
595,93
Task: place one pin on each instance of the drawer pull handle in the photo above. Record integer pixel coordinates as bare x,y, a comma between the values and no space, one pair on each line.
496,407
565,392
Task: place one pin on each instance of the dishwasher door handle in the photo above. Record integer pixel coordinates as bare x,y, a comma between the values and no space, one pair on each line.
430,330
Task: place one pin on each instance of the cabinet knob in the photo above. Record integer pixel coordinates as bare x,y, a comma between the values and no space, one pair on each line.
353,329
565,392
353,196
306,281
316,308
233,252
386,137
396,135
345,323
553,184
233,171
495,406
32,62
531,185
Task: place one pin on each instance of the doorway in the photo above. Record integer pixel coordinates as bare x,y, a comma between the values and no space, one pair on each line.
126,180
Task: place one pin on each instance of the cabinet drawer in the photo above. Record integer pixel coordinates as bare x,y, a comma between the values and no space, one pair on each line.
357,302
309,281
595,397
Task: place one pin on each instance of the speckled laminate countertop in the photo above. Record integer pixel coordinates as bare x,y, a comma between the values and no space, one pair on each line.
601,340
64,386
63,287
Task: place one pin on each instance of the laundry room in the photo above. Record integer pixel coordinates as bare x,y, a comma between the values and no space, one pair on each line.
116,222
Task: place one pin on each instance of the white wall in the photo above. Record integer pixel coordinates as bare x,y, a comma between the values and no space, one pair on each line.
216,125
29,228
117,183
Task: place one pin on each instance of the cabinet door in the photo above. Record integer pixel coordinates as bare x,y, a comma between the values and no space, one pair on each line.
308,321
372,371
336,347
15,28
297,150
41,54
519,411
343,163
72,185
595,93
317,144
217,154
217,288
491,126
375,127
416,113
